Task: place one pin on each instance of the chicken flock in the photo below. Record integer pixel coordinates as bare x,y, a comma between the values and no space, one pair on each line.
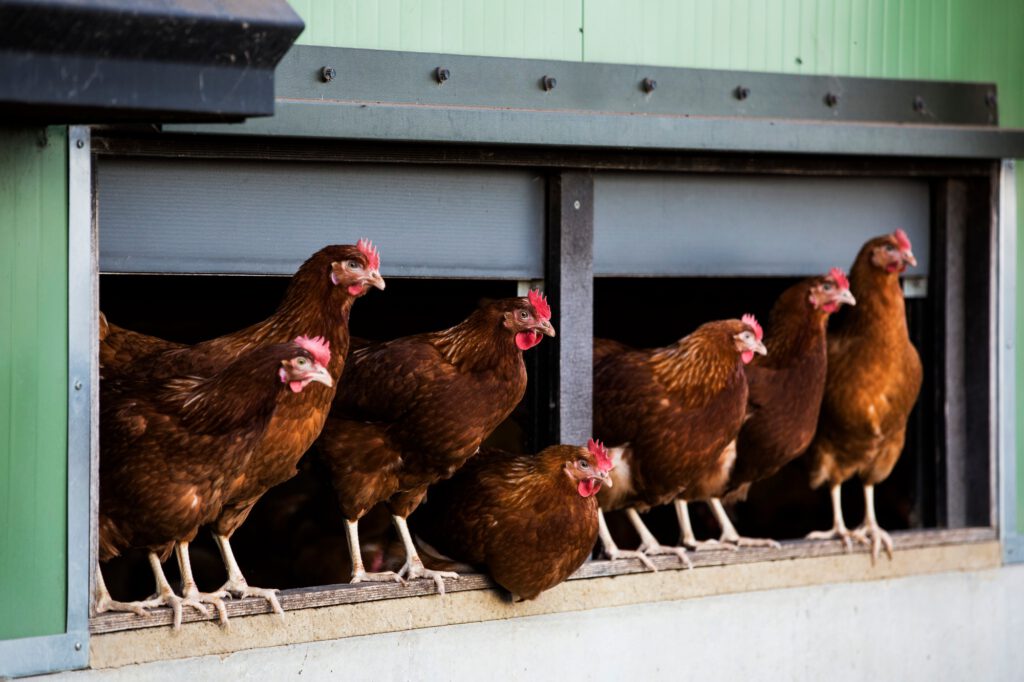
194,436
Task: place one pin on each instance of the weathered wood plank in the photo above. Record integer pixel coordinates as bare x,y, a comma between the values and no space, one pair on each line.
332,595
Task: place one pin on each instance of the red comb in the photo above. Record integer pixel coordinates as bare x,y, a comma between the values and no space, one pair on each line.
600,453
902,239
540,304
751,322
319,348
370,251
840,278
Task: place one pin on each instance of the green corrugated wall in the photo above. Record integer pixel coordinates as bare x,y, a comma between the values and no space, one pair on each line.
33,381
974,40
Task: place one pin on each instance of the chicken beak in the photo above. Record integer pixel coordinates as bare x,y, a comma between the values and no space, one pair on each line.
606,478
846,296
323,376
375,280
546,328
908,258
759,348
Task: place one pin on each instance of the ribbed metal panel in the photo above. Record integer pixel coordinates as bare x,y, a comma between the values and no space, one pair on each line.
33,381
671,225
266,218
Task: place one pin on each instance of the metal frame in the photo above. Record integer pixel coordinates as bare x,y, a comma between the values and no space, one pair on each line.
402,96
1012,537
34,655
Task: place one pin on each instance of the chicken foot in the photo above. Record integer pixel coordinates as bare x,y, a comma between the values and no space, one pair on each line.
869,532
839,530
190,591
414,568
164,596
359,574
612,552
649,545
687,538
729,533
236,586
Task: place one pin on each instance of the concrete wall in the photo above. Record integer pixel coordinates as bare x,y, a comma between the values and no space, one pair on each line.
946,626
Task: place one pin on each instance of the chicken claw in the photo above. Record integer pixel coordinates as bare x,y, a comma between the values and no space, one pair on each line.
415,570
731,535
612,552
239,589
842,534
383,577
874,537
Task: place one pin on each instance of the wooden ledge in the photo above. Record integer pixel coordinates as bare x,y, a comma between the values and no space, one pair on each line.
352,610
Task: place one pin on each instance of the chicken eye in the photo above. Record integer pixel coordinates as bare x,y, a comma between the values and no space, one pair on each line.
827,286
301,363
523,314
355,265
890,248
583,464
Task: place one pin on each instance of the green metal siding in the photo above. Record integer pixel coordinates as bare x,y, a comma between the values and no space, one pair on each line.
976,40
33,381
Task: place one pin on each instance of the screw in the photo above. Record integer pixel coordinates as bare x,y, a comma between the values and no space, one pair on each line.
576,204
78,385
649,85
548,83
919,104
742,92
327,74
442,74
990,99
78,646
832,99
79,143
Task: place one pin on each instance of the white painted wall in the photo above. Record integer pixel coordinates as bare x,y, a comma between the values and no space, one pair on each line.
949,626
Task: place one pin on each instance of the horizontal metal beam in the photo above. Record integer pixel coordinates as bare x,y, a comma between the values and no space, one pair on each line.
400,96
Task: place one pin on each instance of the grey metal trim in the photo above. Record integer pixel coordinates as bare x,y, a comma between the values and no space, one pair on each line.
1012,537
419,123
397,96
35,655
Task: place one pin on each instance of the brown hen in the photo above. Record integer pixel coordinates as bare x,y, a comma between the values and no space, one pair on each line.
528,520
170,448
874,377
416,408
674,409
318,301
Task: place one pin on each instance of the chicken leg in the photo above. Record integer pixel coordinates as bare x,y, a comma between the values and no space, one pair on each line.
236,586
729,533
687,538
869,532
649,545
414,568
612,552
191,596
164,596
839,530
359,574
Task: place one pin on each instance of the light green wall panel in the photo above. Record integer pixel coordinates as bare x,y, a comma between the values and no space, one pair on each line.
540,29
33,381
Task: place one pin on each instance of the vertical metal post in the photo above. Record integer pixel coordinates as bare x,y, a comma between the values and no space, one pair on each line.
1006,379
570,288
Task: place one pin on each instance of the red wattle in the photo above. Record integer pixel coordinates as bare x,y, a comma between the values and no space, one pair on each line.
830,307
527,340
296,386
588,487
355,289
747,356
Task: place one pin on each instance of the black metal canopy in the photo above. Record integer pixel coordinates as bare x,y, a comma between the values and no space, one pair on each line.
97,61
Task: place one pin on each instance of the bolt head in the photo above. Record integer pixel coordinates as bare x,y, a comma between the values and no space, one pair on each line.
80,143
576,204
78,646
919,104
548,83
327,74
832,99
741,92
442,74
78,385
649,85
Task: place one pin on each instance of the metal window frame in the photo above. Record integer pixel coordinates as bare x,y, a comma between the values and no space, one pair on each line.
70,650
